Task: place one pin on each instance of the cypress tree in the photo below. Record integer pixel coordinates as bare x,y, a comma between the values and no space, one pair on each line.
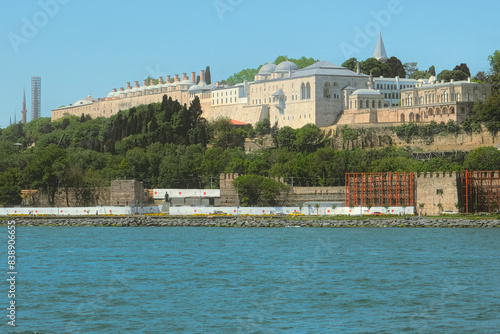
208,77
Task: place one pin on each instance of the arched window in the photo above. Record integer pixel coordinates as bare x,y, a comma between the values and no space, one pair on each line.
326,91
402,118
452,110
417,117
380,104
308,91
467,97
373,104
412,117
350,105
360,104
302,91
367,104
431,112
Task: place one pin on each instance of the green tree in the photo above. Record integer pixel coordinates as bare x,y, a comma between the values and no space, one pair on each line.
432,70
464,68
256,189
263,127
456,75
10,188
374,67
309,138
351,64
420,75
396,68
410,68
482,159
208,76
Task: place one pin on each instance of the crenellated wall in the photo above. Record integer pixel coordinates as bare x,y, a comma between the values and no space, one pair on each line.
436,188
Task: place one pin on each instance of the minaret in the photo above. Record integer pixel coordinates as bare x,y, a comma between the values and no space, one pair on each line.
24,111
380,53
15,118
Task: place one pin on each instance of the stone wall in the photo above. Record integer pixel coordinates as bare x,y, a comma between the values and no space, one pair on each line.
127,192
228,193
435,188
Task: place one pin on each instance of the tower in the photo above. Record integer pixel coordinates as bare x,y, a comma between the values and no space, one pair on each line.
24,111
36,97
380,53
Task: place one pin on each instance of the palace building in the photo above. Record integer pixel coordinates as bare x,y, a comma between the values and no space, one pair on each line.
323,94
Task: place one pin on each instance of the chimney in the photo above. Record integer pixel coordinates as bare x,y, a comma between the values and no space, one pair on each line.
469,80
184,76
152,82
442,81
452,80
160,80
217,84
202,77
121,89
136,84
193,77
128,85
114,90
176,78
168,79
144,82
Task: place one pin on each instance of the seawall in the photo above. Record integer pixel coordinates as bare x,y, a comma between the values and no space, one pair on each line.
252,222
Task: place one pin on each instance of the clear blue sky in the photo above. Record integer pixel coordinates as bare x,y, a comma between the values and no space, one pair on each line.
95,46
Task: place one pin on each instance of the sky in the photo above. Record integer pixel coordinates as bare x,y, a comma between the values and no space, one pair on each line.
93,46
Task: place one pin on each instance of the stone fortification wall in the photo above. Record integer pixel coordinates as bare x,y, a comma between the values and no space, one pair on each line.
437,188
239,112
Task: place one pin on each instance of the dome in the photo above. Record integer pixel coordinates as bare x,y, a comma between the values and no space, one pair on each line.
194,88
87,100
286,66
110,95
366,92
267,69
177,83
118,93
187,82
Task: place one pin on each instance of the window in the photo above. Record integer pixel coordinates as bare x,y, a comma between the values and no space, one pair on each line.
308,91
326,91
439,191
302,91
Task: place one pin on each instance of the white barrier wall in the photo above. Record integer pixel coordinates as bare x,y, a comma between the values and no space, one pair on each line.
190,211
183,193
80,211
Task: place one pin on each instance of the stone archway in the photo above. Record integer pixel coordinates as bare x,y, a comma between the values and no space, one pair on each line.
402,118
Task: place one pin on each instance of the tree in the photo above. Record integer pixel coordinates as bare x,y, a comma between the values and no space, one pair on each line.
432,70
351,64
396,68
410,68
375,67
256,189
456,75
208,76
301,62
495,62
263,127
10,189
482,159
286,138
244,75
420,75
309,138
480,77
464,68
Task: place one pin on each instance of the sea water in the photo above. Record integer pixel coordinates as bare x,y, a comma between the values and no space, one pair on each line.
262,280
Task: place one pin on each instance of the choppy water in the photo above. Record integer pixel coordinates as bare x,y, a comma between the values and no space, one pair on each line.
289,280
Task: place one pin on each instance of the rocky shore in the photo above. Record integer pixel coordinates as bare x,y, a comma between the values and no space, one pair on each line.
249,222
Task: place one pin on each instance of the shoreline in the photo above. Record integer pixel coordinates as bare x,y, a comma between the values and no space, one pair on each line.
254,222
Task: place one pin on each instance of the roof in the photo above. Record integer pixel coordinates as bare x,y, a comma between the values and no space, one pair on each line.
326,68
366,92
380,53
279,93
235,122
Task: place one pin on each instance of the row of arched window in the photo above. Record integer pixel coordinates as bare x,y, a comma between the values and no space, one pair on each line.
305,91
